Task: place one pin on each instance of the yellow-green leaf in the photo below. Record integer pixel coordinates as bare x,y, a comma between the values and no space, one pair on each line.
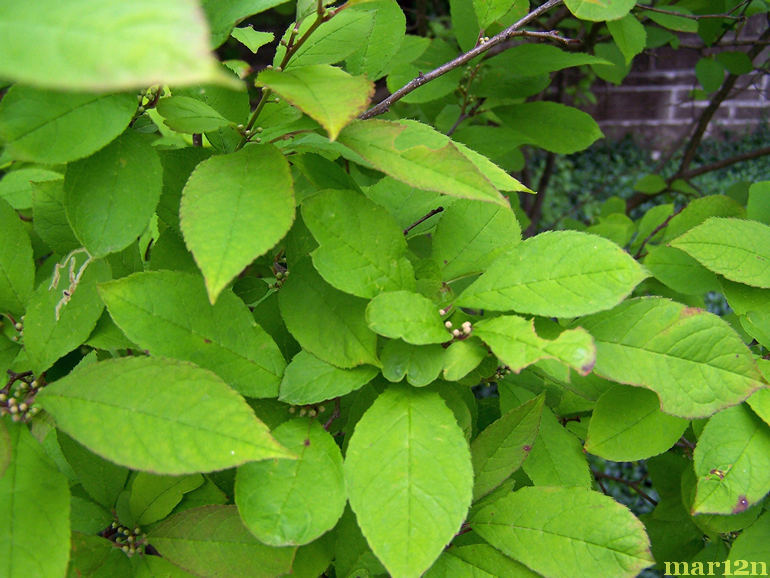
323,92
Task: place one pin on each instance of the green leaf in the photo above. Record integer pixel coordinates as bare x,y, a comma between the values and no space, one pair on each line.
530,60
479,561
374,56
252,39
408,316
627,425
308,380
698,210
362,250
418,155
677,270
174,418
293,502
751,545
674,21
332,41
153,497
212,541
499,178
514,340
222,16
96,556
735,248
6,451
234,208
49,217
462,357
710,74
556,274
557,456
556,530
313,311
17,268
629,34
111,195
102,480
409,477
598,10
157,567
325,93
692,359
735,61
153,310
17,186
757,206
465,26
617,70
732,460
760,403
489,11
48,127
34,510
650,184
500,449
471,235
47,338
421,364
436,53
63,45
189,115
551,126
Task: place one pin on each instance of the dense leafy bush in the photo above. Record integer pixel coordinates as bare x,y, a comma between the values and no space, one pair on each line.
312,336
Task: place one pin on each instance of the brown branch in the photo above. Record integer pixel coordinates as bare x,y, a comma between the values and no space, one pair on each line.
699,129
536,209
633,485
710,110
435,211
657,230
696,172
510,32
690,16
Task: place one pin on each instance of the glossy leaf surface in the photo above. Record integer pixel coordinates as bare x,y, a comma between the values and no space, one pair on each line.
408,473
193,423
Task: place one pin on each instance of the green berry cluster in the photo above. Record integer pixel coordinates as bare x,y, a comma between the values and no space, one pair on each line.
18,396
129,540
280,277
308,410
19,327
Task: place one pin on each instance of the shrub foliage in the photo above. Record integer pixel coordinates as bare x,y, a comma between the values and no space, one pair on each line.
245,311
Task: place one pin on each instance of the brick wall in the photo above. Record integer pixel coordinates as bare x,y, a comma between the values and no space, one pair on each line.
655,99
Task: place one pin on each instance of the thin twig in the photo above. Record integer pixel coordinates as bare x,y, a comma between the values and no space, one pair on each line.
633,485
335,414
536,210
690,16
696,172
710,110
292,46
435,211
506,34
657,230
699,129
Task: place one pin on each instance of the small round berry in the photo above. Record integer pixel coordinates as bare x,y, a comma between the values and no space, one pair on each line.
448,324
457,333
